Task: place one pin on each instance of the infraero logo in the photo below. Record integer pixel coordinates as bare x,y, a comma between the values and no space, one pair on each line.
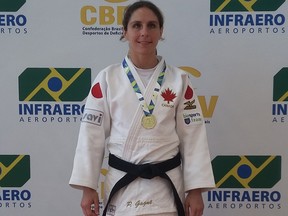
14,173
244,5
10,21
11,5
280,86
248,181
14,170
104,19
280,96
56,86
246,171
246,17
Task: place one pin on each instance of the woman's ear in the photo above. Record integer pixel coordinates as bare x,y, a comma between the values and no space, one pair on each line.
123,36
123,33
161,34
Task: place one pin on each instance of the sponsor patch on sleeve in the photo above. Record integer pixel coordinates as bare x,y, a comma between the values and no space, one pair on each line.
192,118
93,116
189,93
96,91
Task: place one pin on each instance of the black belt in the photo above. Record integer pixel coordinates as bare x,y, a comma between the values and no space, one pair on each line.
147,171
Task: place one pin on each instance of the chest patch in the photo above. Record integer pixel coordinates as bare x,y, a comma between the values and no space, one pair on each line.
168,95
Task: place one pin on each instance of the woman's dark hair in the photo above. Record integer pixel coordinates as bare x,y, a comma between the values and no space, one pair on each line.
141,4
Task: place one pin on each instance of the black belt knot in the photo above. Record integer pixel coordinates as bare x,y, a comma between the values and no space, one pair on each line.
146,171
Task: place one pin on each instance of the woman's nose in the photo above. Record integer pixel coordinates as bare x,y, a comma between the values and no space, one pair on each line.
144,31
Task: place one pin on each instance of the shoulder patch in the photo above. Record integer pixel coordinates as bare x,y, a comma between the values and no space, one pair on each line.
96,91
189,93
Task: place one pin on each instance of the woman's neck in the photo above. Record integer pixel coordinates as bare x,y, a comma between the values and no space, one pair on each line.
144,61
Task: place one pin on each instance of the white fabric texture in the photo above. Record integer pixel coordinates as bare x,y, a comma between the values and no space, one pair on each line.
115,120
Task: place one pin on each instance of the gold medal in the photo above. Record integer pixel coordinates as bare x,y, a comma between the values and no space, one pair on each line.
149,122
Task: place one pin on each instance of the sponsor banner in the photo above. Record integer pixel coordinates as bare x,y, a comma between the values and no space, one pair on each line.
103,19
238,48
12,21
242,17
280,97
246,182
14,174
53,94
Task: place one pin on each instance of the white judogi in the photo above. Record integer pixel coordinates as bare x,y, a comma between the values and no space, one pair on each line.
113,113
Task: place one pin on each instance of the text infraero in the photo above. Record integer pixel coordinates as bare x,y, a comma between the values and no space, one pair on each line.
251,23
15,199
50,113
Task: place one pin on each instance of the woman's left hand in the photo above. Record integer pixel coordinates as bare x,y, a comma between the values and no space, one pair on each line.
194,205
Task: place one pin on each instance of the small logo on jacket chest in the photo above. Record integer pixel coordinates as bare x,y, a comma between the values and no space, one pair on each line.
168,96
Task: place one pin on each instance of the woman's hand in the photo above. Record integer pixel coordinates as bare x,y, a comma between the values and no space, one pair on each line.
90,202
194,205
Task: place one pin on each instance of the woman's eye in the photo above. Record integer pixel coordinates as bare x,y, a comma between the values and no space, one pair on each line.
136,25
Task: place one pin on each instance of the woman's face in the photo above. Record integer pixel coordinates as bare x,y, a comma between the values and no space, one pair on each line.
143,32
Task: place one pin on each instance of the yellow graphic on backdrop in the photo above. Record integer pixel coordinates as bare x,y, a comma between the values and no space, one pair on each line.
254,173
5,170
53,94
247,4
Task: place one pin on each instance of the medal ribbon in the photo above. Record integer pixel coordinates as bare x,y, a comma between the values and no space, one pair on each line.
148,110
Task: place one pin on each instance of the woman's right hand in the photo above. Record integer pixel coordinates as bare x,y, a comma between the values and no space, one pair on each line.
89,199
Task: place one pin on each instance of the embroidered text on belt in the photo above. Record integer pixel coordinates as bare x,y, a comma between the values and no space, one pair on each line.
147,171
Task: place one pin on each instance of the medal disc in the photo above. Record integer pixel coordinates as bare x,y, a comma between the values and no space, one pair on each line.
149,122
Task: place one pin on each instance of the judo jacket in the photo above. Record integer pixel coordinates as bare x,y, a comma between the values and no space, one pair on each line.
112,119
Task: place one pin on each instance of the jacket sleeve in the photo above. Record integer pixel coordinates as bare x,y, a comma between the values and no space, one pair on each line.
94,130
197,169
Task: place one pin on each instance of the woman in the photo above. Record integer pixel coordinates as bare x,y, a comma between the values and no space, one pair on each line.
149,116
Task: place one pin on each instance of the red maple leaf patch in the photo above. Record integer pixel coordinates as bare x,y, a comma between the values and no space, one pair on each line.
168,95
